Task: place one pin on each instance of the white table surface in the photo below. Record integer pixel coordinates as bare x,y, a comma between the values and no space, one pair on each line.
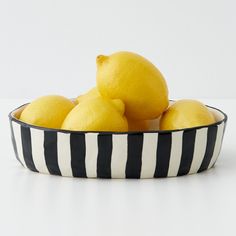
37,204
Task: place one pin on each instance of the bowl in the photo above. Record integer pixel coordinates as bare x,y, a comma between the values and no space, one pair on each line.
150,154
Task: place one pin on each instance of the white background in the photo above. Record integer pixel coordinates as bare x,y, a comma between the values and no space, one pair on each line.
49,47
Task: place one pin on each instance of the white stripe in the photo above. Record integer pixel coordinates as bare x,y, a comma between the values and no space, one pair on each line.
119,155
91,154
149,155
219,137
64,154
199,150
37,141
17,134
176,152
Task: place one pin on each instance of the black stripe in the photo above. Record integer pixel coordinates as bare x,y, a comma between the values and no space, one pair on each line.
104,155
50,152
134,160
187,151
77,148
27,148
163,155
14,143
211,139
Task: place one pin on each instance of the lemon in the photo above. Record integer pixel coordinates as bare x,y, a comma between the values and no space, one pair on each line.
47,111
138,125
134,125
92,93
136,81
186,114
97,114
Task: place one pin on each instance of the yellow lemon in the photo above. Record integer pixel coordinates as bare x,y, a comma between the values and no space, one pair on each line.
92,93
138,125
97,114
186,114
134,125
136,81
47,111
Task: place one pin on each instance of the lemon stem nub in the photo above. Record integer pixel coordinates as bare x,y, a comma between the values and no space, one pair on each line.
119,105
101,59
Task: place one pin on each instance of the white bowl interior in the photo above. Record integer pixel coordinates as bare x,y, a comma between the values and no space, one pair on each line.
219,116
17,112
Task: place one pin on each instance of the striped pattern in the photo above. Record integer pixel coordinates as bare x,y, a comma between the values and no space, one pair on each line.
133,155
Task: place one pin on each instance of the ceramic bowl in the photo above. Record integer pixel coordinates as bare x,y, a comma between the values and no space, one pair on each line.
150,154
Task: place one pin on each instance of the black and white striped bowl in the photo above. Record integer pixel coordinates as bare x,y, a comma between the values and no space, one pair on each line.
150,154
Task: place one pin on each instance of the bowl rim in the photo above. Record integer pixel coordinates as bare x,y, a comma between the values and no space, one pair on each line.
12,118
